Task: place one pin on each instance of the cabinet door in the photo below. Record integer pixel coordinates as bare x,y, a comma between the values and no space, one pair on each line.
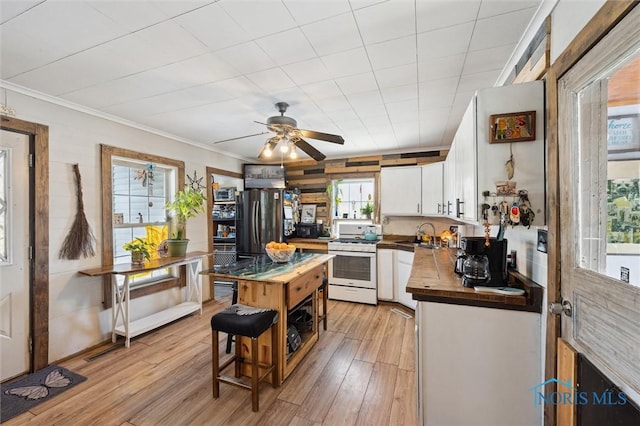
404,263
432,189
400,191
449,184
466,172
385,274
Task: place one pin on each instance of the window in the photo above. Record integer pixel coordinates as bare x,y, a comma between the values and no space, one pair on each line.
351,196
135,187
140,192
4,206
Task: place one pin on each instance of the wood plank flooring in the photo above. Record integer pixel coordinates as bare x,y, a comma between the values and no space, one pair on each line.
361,372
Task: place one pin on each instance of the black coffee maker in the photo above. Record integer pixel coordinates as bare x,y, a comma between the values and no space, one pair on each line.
482,265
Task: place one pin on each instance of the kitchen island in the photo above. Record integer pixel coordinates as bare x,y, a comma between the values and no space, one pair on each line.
478,354
289,288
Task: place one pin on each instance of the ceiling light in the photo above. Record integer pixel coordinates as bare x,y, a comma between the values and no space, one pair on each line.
284,145
293,154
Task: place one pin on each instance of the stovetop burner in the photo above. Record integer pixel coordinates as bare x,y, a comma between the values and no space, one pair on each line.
355,240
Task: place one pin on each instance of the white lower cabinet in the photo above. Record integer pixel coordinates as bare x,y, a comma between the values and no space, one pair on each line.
386,260
477,365
403,265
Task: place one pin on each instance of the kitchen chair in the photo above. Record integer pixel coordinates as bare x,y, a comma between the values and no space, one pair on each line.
240,320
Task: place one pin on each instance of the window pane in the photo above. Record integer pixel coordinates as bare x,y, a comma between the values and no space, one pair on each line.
352,195
4,205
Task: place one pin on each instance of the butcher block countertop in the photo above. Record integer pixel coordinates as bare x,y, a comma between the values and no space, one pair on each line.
433,280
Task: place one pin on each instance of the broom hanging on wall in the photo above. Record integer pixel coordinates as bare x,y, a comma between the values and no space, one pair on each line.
80,238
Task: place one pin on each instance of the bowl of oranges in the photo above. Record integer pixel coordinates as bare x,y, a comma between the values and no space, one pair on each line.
280,252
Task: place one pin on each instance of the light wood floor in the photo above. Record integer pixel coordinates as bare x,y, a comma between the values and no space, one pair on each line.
361,372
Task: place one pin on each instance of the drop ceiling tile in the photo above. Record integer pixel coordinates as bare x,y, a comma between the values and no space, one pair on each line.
386,21
401,112
287,47
13,61
487,59
445,86
133,53
343,116
333,35
11,9
347,63
500,7
359,4
307,11
225,33
239,87
445,42
500,30
58,23
443,101
400,93
473,82
135,16
367,103
173,8
259,18
247,58
153,105
205,68
439,68
307,72
364,82
322,89
173,41
432,15
271,79
397,76
335,103
392,53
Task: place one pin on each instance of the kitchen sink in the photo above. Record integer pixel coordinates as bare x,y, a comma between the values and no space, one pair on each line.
425,245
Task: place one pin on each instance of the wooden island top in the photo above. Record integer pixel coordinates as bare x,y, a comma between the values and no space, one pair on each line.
433,280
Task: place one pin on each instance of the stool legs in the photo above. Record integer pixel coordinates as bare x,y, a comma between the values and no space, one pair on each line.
215,364
325,296
255,375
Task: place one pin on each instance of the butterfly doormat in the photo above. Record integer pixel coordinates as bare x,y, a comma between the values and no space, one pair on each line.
26,393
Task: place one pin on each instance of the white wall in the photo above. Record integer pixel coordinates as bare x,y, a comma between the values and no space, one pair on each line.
76,318
567,19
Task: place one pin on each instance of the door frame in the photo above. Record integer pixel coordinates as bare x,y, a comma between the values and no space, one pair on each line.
38,235
602,22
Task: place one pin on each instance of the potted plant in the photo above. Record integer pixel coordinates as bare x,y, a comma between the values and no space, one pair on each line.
186,204
140,250
367,210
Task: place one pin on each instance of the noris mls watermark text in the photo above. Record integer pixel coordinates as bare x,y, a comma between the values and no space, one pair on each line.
567,394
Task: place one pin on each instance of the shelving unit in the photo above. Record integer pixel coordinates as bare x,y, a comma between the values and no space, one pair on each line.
224,241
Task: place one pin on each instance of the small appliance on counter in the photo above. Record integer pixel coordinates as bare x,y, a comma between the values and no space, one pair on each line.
480,265
308,230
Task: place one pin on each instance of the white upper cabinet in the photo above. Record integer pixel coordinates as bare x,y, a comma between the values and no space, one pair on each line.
401,191
475,165
432,186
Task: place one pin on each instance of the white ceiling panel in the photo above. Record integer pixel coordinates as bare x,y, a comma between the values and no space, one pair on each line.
347,63
386,21
392,53
432,15
364,82
307,11
333,35
225,32
259,18
397,76
390,75
500,30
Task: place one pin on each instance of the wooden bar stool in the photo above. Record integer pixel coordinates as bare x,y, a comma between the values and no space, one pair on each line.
247,321
324,289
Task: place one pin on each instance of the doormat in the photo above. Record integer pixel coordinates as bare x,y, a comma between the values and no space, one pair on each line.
22,395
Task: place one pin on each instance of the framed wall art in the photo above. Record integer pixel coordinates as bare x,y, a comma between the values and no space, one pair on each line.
512,127
308,213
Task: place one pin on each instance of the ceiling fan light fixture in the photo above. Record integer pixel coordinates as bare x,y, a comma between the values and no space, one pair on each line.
293,154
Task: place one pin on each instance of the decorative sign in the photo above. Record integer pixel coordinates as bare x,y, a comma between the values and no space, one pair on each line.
623,133
513,127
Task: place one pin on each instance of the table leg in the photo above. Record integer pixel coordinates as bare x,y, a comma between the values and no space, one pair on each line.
121,308
194,283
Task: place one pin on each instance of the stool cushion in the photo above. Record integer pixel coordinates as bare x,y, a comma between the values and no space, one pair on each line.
241,320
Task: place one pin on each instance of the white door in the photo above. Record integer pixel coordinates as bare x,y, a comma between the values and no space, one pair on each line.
599,171
14,263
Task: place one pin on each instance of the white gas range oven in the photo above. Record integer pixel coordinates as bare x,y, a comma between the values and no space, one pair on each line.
352,272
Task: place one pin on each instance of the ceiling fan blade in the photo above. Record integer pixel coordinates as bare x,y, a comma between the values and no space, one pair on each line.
322,136
259,122
240,137
309,150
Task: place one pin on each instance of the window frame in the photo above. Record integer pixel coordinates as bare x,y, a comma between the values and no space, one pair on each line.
107,156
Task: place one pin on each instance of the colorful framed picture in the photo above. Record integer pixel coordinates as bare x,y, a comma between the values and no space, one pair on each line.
513,127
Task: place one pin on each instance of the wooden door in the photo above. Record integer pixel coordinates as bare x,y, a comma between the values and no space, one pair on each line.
14,262
604,322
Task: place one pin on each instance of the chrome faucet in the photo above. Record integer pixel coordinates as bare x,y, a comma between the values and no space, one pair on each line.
433,232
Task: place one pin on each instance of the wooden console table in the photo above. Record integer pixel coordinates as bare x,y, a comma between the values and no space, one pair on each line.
121,323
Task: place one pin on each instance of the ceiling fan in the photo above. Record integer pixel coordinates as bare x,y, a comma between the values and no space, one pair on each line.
288,136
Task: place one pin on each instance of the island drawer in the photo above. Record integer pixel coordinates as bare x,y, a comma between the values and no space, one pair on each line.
303,286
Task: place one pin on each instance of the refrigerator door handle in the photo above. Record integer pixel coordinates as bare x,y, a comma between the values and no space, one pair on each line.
254,219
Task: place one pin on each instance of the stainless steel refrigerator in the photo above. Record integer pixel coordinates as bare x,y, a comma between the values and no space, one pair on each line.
259,219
